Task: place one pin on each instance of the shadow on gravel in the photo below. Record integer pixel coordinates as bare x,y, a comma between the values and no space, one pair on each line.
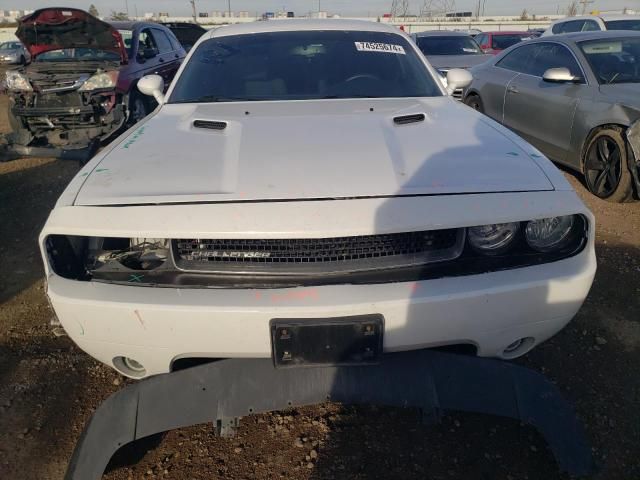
373,443
44,395
26,197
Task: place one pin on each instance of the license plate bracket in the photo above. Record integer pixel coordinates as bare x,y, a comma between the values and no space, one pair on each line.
354,340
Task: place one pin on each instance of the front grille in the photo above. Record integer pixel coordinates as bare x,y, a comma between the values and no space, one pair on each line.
319,254
457,94
63,81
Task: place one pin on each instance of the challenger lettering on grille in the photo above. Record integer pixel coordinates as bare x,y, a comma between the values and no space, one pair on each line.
228,254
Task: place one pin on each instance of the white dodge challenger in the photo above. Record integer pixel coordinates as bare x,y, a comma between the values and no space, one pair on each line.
307,191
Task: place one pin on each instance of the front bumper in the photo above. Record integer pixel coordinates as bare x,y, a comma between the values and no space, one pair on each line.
222,392
156,326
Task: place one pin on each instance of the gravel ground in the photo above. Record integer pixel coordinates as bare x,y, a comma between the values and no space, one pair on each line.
49,388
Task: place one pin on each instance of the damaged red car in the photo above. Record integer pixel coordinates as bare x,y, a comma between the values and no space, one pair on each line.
74,95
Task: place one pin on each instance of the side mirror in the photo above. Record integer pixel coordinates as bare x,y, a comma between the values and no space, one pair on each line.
559,75
458,78
153,86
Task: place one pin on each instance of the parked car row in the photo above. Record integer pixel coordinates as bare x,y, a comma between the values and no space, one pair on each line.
80,87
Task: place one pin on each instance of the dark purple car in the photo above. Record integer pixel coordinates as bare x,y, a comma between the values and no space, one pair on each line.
151,49
80,88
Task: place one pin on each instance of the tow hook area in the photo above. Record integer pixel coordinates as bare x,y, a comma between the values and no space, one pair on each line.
223,392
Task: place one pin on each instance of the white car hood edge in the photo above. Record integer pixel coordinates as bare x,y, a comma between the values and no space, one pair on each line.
295,150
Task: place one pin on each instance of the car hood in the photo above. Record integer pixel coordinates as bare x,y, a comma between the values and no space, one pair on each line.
458,61
310,150
56,28
9,51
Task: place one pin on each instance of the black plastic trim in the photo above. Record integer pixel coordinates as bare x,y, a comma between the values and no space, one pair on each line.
222,392
519,255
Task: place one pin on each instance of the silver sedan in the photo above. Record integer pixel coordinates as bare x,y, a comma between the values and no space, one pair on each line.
13,53
576,98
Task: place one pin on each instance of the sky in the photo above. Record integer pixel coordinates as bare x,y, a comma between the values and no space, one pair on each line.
342,7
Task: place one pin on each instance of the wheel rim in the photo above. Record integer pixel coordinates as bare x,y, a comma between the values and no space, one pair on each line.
475,104
603,167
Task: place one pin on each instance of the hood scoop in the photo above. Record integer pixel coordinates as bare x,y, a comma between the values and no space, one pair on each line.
407,119
209,124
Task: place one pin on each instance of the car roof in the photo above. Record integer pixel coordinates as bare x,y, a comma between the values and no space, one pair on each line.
301,25
182,25
603,16
442,33
507,32
127,25
595,35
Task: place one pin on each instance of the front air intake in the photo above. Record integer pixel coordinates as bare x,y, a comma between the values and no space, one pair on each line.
407,119
209,124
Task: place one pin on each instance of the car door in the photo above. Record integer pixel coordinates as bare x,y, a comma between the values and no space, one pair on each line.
168,57
495,79
148,53
543,112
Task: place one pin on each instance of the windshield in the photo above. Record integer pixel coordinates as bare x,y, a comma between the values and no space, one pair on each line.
623,25
9,46
614,60
303,66
187,35
77,55
448,46
502,42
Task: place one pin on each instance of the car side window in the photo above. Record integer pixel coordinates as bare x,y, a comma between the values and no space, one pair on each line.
482,40
553,55
590,26
520,60
570,27
164,44
146,41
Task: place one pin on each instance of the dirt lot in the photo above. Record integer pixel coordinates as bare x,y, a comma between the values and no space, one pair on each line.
48,387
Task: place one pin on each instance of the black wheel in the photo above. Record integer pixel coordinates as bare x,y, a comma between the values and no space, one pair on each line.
605,166
475,102
23,61
138,109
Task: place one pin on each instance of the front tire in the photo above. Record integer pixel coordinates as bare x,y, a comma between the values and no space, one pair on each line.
606,171
474,101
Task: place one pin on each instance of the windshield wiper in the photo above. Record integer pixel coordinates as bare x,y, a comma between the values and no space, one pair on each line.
215,99
355,95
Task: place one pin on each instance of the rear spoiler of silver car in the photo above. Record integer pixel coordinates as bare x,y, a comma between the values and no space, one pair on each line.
224,391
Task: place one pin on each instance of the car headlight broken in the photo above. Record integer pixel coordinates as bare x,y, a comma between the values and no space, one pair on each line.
493,239
100,81
17,82
549,234
139,254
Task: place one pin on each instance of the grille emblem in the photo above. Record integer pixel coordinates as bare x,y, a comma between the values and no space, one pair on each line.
234,254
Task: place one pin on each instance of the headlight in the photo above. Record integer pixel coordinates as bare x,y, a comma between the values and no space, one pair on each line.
17,81
493,239
549,234
100,81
